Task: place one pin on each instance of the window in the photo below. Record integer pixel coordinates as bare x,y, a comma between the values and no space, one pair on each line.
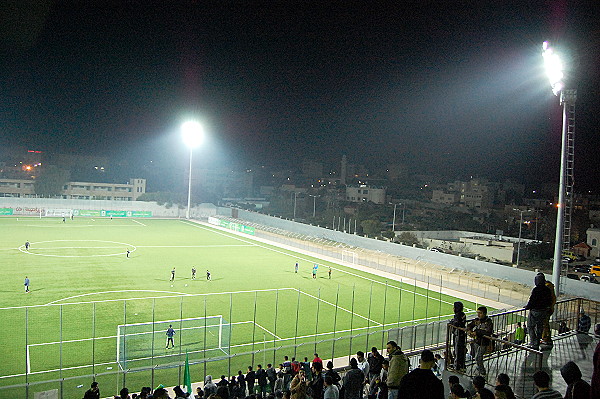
594,242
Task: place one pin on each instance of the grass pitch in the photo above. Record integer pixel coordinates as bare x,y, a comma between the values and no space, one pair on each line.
83,287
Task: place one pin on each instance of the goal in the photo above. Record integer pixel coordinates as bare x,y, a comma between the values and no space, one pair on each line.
349,257
202,337
58,212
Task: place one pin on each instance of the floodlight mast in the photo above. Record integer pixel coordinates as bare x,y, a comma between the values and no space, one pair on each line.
554,69
192,137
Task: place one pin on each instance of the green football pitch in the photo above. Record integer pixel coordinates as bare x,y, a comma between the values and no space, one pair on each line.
93,310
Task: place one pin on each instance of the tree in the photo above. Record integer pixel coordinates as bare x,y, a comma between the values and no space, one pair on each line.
388,234
408,238
51,182
371,227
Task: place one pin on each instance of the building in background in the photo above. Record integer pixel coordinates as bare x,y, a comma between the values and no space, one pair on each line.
22,188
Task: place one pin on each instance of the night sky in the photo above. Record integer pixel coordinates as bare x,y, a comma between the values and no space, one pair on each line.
448,87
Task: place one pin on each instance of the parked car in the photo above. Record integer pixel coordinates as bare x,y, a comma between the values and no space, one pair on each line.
437,250
589,278
582,269
566,259
595,270
572,276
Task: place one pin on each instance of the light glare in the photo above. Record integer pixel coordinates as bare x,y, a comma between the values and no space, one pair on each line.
554,68
192,134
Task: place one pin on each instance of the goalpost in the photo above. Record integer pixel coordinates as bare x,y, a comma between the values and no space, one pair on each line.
349,257
58,213
208,336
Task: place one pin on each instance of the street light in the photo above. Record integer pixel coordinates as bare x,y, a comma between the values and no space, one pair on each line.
192,135
314,203
554,69
520,229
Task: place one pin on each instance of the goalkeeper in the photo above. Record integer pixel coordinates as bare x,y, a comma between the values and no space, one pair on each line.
170,333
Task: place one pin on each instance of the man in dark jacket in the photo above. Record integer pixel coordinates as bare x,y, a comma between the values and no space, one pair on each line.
421,383
576,387
93,392
480,328
261,377
353,382
250,377
538,305
459,337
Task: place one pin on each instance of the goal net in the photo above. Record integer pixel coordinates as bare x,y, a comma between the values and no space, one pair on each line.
58,213
201,337
349,257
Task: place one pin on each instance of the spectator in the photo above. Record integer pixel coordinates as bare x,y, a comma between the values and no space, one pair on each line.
458,392
93,392
363,365
333,374
398,368
298,386
503,380
123,394
261,377
459,337
378,384
331,390
242,381
482,391
353,382
305,365
179,394
541,379
271,376
585,323
286,365
375,360
546,336
538,305
199,394
161,393
296,366
595,385
440,365
279,383
222,392
413,383
223,382
519,334
317,359
237,390
576,387
316,385
250,378
480,328
209,386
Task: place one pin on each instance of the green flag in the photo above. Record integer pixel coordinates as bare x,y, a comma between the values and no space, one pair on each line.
187,379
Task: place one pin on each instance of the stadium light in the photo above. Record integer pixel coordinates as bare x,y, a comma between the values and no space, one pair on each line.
192,134
554,69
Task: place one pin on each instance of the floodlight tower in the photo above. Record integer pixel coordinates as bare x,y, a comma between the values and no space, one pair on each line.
192,134
554,69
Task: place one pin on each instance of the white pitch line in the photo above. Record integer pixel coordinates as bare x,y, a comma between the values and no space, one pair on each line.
339,307
177,294
196,246
135,221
